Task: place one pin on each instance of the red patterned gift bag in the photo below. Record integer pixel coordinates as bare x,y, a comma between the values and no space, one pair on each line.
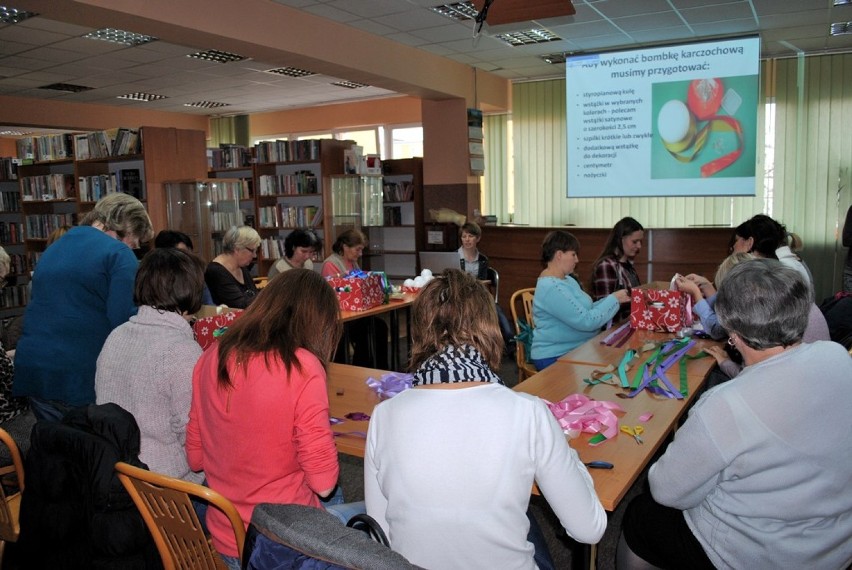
208,329
660,310
360,291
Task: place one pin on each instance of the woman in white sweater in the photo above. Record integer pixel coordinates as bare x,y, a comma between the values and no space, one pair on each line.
758,476
450,463
146,364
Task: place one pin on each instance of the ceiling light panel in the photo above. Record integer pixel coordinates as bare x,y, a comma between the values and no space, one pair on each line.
459,11
841,28
350,84
291,72
69,87
121,37
13,15
217,56
139,96
206,104
528,37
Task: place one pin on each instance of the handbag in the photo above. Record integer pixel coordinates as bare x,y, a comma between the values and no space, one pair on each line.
661,310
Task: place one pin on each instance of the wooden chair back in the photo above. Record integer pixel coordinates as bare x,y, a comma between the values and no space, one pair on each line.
10,505
165,505
521,304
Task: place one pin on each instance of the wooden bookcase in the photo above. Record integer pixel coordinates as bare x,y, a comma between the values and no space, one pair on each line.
14,296
164,154
294,192
393,246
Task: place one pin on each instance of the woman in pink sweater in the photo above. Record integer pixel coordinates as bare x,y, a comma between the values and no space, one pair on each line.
259,422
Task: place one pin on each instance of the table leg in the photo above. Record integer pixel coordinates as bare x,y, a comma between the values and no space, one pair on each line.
394,325
346,358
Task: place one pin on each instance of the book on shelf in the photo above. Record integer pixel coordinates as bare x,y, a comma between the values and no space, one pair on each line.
9,168
229,156
398,191
288,151
118,141
47,187
130,182
316,220
46,148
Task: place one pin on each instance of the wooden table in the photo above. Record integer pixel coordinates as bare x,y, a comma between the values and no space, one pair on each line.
347,393
393,308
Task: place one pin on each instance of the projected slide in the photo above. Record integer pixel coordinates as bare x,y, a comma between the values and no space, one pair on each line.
667,121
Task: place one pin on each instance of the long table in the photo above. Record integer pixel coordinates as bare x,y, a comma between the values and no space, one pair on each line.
348,393
393,307
566,376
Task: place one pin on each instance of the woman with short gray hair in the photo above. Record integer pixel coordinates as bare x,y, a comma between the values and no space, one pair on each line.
228,276
758,476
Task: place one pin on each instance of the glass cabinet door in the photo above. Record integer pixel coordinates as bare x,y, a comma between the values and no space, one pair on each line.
204,209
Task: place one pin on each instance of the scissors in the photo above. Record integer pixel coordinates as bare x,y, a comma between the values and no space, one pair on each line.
634,432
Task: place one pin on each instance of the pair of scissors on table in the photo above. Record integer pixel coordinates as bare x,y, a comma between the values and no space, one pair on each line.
634,432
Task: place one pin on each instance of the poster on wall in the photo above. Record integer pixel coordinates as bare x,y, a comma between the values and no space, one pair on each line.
665,121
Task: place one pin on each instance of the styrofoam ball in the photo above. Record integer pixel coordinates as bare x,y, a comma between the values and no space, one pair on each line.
408,283
426,273
419,281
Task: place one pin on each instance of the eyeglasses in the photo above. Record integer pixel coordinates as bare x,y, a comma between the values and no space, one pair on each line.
253,251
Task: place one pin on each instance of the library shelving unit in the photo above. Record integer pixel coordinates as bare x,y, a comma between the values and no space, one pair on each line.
393,245
292,190
204,209
236,162
356,201
14,296
60,192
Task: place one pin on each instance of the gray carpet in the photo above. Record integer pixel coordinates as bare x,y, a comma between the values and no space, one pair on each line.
352,481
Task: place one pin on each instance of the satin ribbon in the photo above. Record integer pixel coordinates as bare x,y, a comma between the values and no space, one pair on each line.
696,139
616,335
578,413
390,384
652,372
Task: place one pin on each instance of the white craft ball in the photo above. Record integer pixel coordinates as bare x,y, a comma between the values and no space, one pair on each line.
673,121
419,281
426,273
408,283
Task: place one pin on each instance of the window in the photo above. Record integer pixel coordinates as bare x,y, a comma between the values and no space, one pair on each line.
367,139
406,142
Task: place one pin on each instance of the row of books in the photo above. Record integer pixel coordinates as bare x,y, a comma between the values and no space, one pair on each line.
118,141
228,156
14,296
46,147
273,248
18,263
398,191
93,188
11,233
221,190
393,215
47,187
42,225
10,201
9,168
222,221
287,151
301,182
285,216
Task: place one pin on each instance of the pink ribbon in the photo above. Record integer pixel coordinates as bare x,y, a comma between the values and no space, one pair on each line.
579,413
390,384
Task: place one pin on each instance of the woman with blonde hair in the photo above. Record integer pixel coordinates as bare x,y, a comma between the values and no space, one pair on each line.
82,290
228,276
435,469
259,421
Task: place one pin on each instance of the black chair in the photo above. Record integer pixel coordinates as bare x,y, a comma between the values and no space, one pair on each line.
296,536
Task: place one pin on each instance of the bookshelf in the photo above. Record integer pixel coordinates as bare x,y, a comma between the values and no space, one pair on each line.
292,190
204,209
394,244
14,296
61,191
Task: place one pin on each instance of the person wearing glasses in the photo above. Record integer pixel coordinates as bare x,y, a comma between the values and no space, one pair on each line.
228,276
82,290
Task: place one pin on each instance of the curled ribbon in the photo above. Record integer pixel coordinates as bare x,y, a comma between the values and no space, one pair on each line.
578,413
390,384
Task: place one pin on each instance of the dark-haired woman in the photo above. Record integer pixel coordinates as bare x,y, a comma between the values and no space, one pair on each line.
613,270
565,316
146,364
259,421
347,250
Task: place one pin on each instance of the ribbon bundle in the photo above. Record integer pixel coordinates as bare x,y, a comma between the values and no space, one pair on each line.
390,384
579,413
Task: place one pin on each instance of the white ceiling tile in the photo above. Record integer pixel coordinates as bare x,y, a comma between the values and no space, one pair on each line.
332,13
373,27
713,14
648,22
614,10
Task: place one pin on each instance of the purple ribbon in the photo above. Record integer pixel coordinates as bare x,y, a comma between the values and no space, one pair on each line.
390,384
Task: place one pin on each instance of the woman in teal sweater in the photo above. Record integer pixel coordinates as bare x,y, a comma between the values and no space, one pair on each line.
564,315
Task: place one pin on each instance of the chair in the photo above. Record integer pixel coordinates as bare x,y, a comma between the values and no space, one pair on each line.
521,305
298,536
164,503
494,278
10,505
